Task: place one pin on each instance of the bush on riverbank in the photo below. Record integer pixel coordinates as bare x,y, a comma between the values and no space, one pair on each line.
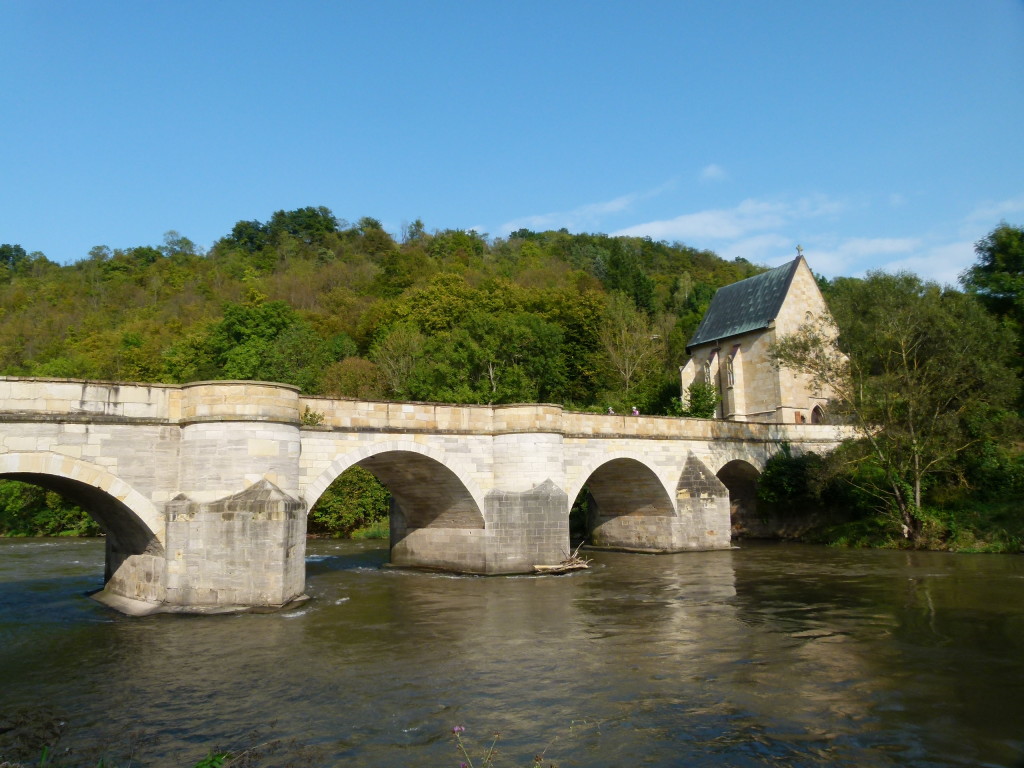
28,510
356,501
976,508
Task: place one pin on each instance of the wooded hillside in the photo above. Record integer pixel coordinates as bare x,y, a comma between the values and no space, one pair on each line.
589,321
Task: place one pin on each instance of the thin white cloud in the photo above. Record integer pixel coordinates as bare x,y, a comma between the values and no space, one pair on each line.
766,231
713,172
578,219
943,259
585,217
996,211
864,247
856,255
612,206
715,225
750,216
941,263
772,249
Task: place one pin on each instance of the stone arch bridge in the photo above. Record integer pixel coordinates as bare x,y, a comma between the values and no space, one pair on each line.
203,489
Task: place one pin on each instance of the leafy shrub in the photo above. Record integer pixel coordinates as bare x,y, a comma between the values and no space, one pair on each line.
355,500
28,510
701,401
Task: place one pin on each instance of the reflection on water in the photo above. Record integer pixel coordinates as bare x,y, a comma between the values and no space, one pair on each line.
768,655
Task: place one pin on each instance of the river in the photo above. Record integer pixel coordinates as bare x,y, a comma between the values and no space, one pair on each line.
763,655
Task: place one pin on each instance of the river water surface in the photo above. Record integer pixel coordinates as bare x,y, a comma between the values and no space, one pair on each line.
764,655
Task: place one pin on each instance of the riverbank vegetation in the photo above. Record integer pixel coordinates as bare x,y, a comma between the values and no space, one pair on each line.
929,378
585,320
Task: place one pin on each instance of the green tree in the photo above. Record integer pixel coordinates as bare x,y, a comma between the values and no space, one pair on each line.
789,478
415,232
309,225
443,304
620,269
918,368
355,500
997,279
259,340
702,400
353,377
509,357
297,356
12,259
632,351
250,236
397,354
375,241
28,510
177,245
578,313
457,246
241,342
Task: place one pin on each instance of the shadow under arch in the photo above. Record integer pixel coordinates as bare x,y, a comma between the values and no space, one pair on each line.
435,521
626,506
740,478
374,458
133,529
427,493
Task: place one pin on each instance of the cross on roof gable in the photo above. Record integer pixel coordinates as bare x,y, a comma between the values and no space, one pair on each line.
748,305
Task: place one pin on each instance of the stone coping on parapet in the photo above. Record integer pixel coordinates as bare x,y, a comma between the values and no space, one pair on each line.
99,382
149,384
353,415
235,382
31,399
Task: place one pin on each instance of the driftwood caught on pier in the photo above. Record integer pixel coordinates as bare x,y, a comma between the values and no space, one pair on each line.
572,562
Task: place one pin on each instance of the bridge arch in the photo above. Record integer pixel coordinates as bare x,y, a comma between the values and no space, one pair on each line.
430,488
740,477
122,511
628,505
625,485
135,531
611,474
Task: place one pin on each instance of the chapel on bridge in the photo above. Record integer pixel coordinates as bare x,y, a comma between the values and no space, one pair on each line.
730,347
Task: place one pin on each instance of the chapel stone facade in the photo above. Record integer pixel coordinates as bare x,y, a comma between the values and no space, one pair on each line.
730,347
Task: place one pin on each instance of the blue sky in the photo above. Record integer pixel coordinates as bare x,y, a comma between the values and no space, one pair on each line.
874,134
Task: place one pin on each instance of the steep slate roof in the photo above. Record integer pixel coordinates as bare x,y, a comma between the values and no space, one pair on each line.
748,305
